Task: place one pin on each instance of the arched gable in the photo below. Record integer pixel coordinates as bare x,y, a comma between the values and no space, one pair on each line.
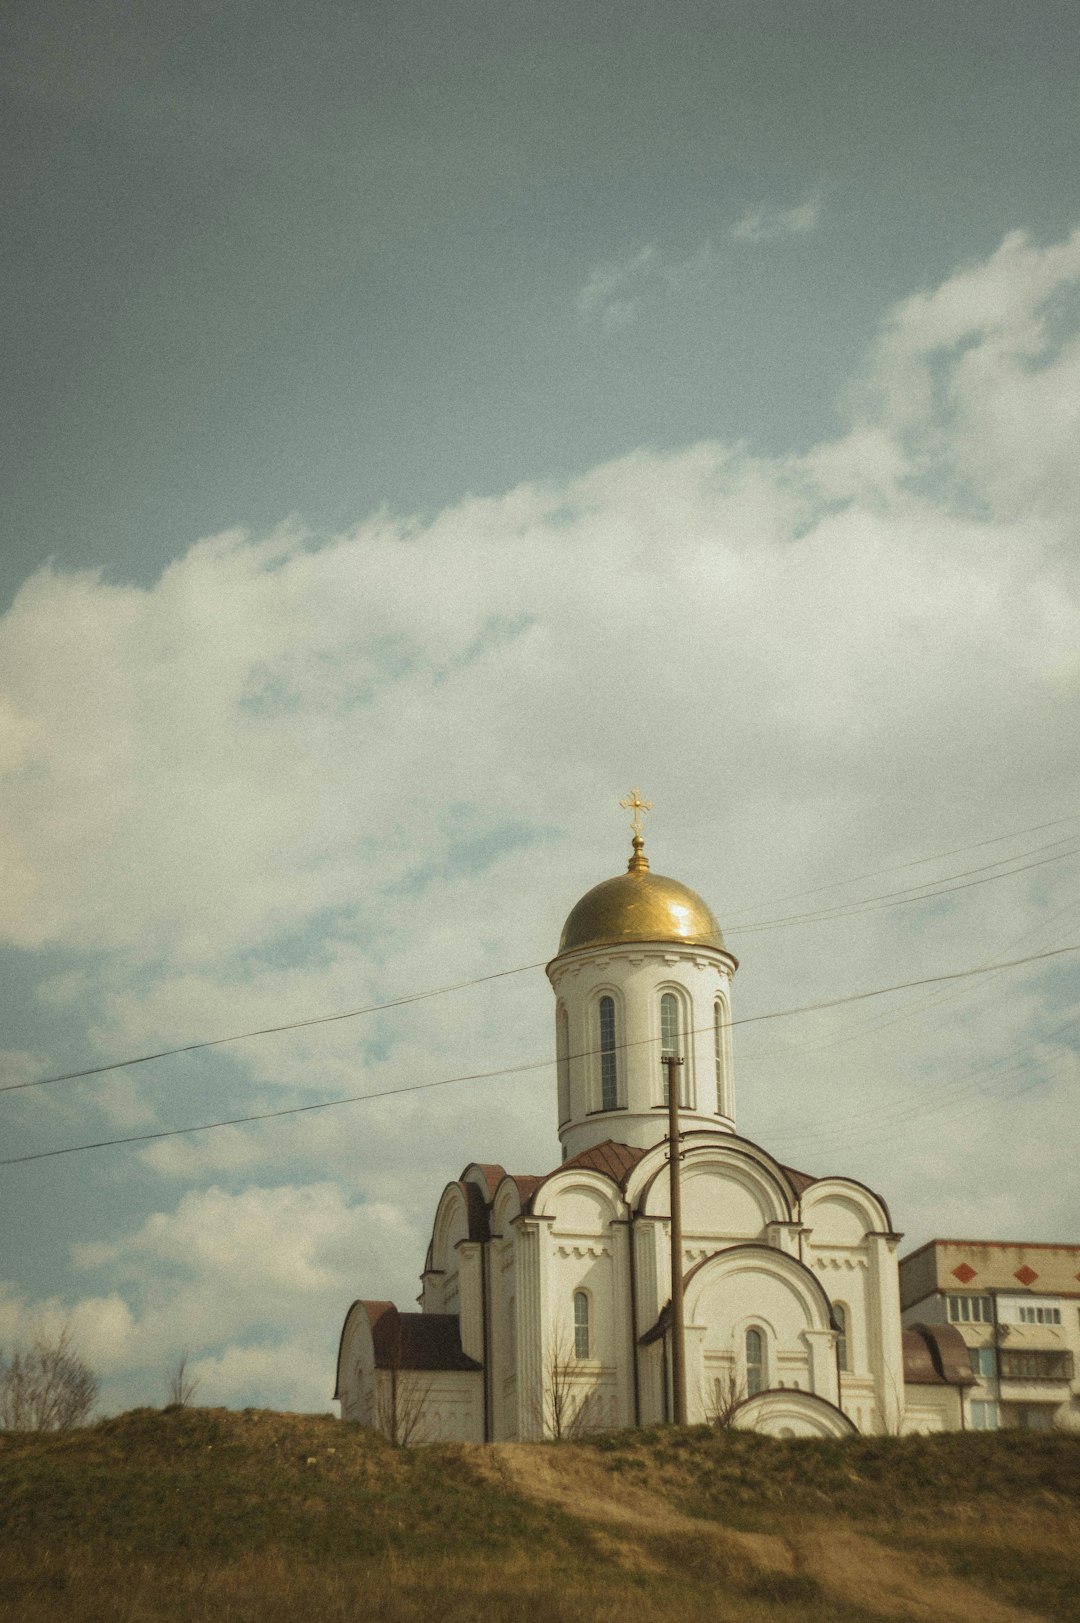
506,1205
751,1279
451,1226
356,1350
841,1211
729,1186
486,1176
791,1413
579,1201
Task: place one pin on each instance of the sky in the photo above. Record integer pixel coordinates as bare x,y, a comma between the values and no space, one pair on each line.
423,423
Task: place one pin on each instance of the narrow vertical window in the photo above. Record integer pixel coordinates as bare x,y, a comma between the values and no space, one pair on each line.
720,1043
839,1314
609,1072
669,1041
562,1048
755,1364
581,1325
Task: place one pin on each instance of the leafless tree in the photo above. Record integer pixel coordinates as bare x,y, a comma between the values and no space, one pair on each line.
571,1404
181,1385
47,1387
727,1393
402,1405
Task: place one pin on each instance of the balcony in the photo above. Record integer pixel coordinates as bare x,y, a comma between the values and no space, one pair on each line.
1030,1365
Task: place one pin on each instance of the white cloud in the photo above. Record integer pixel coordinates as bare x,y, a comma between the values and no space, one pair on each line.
614,293
289,779
253,1284
762,223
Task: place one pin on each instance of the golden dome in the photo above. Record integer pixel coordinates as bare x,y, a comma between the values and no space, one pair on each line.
640,906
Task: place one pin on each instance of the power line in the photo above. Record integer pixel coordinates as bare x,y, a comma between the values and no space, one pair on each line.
918,862
517,1070
268,1031
880,1022
899,898
869,904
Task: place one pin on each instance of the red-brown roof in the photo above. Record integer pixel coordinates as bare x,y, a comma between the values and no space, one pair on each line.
616,1160
527,1184
936,1355
477,1209
801,1180
491,1172
429,1341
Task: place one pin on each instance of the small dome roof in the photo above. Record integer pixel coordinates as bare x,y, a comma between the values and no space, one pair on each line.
640,906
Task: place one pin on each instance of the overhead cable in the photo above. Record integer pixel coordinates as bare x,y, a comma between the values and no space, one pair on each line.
515,1070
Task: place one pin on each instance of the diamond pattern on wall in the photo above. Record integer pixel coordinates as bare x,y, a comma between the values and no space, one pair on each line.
964,1273
1026,1275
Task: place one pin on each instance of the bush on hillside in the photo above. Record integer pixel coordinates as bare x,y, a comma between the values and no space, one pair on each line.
47,1387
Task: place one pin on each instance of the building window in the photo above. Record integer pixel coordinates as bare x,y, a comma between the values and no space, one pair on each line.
581,1324
970,1310
984,1416
562,1049
1036,1417
982,1361
719,1038
839,1313
670,1043
755,1363
609,1070
1040,1315
1017,1365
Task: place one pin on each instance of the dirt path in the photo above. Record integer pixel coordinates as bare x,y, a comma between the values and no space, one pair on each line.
849,1566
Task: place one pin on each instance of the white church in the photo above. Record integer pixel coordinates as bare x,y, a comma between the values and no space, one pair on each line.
546,1303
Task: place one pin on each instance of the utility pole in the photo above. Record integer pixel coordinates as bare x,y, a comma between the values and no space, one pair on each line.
678,1339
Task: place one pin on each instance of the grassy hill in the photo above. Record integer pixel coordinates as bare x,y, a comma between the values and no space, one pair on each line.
207,1514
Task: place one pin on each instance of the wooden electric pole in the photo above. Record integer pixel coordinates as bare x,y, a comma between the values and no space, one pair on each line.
678,1340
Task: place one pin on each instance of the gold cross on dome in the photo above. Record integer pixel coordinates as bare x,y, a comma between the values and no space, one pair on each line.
633,802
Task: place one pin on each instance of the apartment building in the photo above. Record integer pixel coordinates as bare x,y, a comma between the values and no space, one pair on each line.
1016,1308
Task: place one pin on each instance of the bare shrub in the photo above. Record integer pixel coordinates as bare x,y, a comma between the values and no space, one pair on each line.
571,1403
181,1385
402,1406
47,1387
727,1394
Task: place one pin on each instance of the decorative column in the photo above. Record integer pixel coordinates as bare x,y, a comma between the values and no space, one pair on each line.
470,1299
531,1329
883,1314
823,1378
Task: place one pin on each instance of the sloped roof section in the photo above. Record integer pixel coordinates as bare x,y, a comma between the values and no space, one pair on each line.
478,1210
611,1160
617,1161
936,1355
800,1180
426,1341
491,1173
527,1184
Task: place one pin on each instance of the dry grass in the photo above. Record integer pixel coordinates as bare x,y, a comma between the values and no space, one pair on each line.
197,1514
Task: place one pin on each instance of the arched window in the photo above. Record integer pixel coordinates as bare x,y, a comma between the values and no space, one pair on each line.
562,1049
755,1363
609,1071
670,1042
581,1324
720,1042
839,1313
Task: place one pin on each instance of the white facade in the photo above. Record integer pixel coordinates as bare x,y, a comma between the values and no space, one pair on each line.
549,1298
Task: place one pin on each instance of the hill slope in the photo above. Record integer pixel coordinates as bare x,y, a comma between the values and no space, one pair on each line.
207,1514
